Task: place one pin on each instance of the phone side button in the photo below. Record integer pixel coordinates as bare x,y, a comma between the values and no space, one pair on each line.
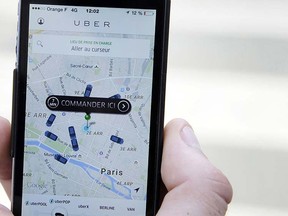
14,113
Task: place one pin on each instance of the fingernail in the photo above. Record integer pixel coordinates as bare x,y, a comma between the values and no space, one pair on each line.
189,137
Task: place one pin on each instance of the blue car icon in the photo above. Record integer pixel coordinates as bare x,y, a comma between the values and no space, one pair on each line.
88,90
60,158
51,135
72,132
73,138
75,145
50,120
116,139
116,96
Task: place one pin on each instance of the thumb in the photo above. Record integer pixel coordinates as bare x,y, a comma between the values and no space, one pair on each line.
195,186
4,211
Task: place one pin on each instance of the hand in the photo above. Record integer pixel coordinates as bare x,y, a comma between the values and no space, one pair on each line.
5,162
195,186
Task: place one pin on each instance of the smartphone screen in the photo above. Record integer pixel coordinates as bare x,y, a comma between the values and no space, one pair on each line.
88,110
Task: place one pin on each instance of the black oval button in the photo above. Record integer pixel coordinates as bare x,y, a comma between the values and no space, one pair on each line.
88,104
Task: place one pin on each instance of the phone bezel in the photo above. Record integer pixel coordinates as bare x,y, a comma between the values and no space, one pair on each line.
158,92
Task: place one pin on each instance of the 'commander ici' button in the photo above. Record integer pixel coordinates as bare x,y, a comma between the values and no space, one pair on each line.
88,104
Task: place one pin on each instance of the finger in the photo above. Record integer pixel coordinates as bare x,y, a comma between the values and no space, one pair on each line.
5,158
192,181
4,211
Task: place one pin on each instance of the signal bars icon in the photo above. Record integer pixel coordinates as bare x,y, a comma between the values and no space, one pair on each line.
38,8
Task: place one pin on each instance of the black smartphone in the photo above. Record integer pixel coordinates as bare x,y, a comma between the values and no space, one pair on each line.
88,107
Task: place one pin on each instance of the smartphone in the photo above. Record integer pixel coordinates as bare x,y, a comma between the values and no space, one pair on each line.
88,107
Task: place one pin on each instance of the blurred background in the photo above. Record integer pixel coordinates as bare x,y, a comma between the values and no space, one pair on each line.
228,76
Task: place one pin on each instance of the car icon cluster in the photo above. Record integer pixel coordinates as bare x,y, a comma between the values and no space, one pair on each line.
72,133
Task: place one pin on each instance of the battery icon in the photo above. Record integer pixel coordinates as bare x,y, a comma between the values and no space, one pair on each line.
148,13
